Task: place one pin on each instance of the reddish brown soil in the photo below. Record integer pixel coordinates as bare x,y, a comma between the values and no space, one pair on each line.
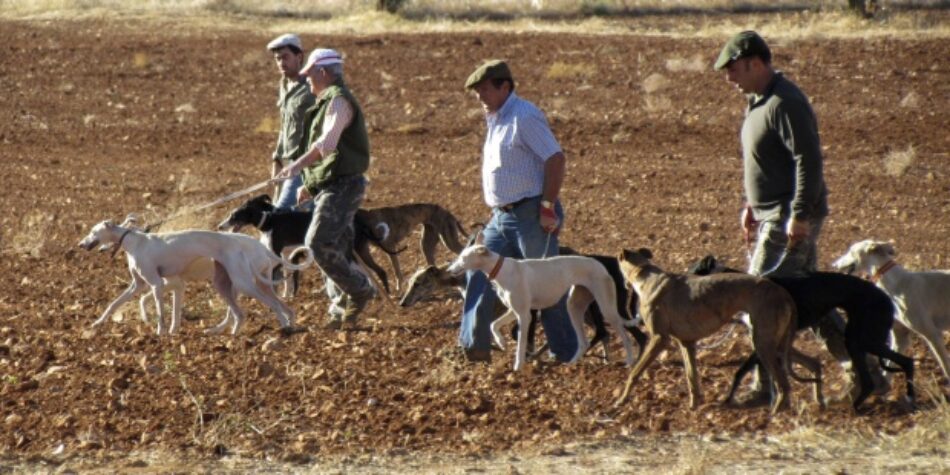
101,119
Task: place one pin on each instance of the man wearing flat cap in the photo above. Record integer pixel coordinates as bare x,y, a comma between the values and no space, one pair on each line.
333,169
293,100
523,168
785,193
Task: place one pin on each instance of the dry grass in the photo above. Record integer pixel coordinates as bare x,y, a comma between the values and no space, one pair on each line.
561,70
790,19
896,162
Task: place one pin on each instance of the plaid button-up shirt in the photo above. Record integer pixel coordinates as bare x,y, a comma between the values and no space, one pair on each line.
517,144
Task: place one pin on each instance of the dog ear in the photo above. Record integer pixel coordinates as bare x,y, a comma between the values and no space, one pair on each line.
703,266
481,250
645,252
883,249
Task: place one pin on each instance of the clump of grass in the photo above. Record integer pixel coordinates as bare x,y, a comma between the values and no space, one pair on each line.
896,162
932,433
911,100
693,461
692,65
654,83
657,104
30,237
561,70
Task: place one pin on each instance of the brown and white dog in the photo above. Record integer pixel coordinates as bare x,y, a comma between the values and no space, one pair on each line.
687,309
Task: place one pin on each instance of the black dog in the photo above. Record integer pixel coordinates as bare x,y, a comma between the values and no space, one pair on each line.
870,318
289,228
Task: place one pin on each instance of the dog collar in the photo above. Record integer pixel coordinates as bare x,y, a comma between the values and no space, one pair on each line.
264,217
118,245
494,270
883,270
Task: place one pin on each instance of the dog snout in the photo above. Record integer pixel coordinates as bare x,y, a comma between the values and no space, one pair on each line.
87,244
456,269
847,268
225,225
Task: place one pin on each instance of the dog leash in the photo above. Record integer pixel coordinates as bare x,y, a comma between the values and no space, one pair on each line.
223,199
720,341
547,244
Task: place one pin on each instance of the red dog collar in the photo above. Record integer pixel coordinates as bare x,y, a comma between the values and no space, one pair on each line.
494,270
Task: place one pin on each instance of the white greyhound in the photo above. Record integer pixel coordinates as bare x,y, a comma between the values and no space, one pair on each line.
526,284
241,264
922,298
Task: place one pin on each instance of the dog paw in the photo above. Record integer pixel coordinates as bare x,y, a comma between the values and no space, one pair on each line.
292,330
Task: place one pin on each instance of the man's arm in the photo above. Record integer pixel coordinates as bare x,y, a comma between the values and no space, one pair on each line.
555,167
554,170
798,130
338,117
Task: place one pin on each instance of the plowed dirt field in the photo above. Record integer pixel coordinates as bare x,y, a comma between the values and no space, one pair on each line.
100,119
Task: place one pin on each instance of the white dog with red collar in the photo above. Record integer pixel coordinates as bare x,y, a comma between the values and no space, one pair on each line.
241,264
922,298
526,284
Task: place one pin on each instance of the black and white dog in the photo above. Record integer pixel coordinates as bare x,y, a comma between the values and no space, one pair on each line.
285,228
870,318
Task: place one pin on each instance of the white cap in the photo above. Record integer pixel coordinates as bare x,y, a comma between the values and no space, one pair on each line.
289,39
321,57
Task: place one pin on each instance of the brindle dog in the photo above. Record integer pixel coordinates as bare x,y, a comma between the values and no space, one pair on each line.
687,309
392,224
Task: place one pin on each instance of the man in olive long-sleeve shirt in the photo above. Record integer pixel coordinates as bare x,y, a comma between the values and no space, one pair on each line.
786,197
293,101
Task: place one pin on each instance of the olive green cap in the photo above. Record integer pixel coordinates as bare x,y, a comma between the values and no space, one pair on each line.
743,45
492,69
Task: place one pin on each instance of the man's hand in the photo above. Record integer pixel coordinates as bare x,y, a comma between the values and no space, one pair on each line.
748,224
290,171
797,229
548,220
303,195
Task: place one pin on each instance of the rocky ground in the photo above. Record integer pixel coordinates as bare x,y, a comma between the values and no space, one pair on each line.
103,118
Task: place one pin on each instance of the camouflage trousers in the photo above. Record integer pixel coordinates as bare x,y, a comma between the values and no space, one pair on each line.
330,236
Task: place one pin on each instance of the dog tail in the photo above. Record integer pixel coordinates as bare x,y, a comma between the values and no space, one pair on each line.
289,264
365,232
787,357
889,369
383,229
277,260
458,225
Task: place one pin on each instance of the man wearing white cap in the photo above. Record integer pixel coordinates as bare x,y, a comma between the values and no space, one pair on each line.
332,171
293,100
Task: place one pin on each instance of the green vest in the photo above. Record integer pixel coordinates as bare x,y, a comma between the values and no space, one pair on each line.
351,156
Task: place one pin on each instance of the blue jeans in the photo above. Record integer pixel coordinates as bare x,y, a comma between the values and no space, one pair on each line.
517,234
288,194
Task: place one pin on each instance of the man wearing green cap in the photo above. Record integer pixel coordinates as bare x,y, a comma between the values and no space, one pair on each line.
786,197
522,171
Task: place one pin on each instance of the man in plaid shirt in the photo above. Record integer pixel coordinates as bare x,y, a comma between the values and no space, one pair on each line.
523,168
